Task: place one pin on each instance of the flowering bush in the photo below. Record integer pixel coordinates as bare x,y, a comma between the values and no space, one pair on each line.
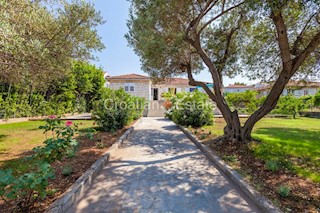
59,143
190,109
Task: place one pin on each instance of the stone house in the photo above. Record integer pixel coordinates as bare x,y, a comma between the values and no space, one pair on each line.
142,86
134,84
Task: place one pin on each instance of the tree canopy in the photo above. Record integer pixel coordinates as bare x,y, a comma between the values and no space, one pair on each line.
267,40
40,39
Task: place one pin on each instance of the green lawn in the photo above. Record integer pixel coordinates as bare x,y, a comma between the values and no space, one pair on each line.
18,139
293,143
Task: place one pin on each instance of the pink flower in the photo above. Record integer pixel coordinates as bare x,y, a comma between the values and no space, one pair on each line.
52,116
68,123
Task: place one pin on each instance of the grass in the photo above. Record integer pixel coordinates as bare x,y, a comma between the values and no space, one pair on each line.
18,139
291,143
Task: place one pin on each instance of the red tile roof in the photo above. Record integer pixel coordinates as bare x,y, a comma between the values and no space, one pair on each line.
129,76
168,81
177,81
303,84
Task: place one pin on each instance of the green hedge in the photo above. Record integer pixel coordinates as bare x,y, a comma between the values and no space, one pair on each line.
116,109
190,109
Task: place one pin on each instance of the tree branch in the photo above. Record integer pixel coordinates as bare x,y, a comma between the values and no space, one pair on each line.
195,22
283,41
193,82
313,44
294,50
218,16
229,38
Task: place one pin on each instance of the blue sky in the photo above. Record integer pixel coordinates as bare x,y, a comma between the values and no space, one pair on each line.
118,58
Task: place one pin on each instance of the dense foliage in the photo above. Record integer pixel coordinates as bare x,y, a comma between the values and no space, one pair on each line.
289,105
25,188
248,102
75,92
317,99
266,40
116,109
190,109
40,39
40,44
244,102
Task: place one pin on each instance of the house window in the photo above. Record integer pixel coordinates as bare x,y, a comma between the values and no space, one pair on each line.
129,87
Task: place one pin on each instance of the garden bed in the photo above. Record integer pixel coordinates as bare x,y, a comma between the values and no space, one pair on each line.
69,170
291,177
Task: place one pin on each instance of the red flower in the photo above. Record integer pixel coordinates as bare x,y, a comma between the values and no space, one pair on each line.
51,116
68,123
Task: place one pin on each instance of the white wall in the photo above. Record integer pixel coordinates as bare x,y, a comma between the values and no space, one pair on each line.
140,89
301,92
235,90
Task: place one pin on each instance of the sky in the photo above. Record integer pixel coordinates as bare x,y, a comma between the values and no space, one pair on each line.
118,58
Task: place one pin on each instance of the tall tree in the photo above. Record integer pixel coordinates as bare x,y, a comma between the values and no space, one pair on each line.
275,39
40,39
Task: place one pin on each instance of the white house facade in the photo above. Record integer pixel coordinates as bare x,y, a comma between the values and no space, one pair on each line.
142,86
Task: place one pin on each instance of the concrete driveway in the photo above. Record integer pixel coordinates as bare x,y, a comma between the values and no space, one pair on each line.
158,169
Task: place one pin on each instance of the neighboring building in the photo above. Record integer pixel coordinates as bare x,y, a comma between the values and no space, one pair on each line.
235,88
142,86
296,88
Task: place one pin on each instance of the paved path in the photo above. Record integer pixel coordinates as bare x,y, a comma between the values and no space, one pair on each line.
160,170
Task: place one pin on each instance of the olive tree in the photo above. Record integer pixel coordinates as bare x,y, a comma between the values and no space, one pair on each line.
40,39
271,40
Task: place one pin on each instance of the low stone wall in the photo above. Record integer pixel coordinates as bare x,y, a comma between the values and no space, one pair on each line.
261,201
310,114
76,191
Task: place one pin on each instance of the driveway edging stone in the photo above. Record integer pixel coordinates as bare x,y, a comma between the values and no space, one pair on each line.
257,198
75,191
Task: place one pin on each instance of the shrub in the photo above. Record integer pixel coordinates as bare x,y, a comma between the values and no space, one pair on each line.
101,145
67,171
284,191
289,105
27,187
116,109
191,109
316,99
307,102
246,102
61,144
272,165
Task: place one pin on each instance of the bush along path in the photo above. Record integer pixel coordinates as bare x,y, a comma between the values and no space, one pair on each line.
20,191
67,153
158,169
63,156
